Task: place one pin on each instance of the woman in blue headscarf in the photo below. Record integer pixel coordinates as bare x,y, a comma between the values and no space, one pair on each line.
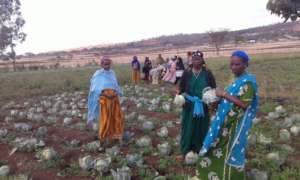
224,147
103,103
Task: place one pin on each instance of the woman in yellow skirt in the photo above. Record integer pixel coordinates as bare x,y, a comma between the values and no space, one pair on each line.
103,103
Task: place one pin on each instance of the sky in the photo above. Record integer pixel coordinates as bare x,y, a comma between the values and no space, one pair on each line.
65,24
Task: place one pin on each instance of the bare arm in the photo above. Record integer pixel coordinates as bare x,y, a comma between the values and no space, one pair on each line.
235,100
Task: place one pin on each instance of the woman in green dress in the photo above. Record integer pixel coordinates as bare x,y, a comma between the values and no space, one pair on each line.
194,126
224,145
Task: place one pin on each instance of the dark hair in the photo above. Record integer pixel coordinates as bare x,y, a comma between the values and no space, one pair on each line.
198,55
179,63
147,60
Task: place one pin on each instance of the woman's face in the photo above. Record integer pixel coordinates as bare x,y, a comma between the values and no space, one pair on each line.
105,64
197,63
237,66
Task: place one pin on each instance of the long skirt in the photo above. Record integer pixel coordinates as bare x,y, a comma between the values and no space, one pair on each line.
170,76
214,166
111,124
193,131
155,74
136,76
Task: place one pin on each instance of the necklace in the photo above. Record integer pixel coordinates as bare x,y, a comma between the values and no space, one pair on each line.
196,73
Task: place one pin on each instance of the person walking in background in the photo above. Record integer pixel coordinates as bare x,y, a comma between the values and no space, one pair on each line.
179,69
189,60
156,71
170,75
146,69
159,60
136,70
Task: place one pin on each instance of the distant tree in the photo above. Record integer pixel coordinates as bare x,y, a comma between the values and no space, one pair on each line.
4,57
286,9
239,39
217,38
11,23
29,54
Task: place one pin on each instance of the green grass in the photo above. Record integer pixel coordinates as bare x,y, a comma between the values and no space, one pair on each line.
50,164
267,107
145,173
164,164
119,161
176,176
105,178
277,74
147,151
288,174
74,170
15,85
8,139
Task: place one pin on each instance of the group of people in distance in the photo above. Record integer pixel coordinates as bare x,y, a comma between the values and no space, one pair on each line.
168,70
217,132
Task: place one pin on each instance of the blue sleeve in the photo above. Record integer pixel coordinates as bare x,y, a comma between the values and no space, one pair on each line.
92,107
119,89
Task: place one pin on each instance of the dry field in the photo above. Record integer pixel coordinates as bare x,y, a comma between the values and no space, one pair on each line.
83,59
